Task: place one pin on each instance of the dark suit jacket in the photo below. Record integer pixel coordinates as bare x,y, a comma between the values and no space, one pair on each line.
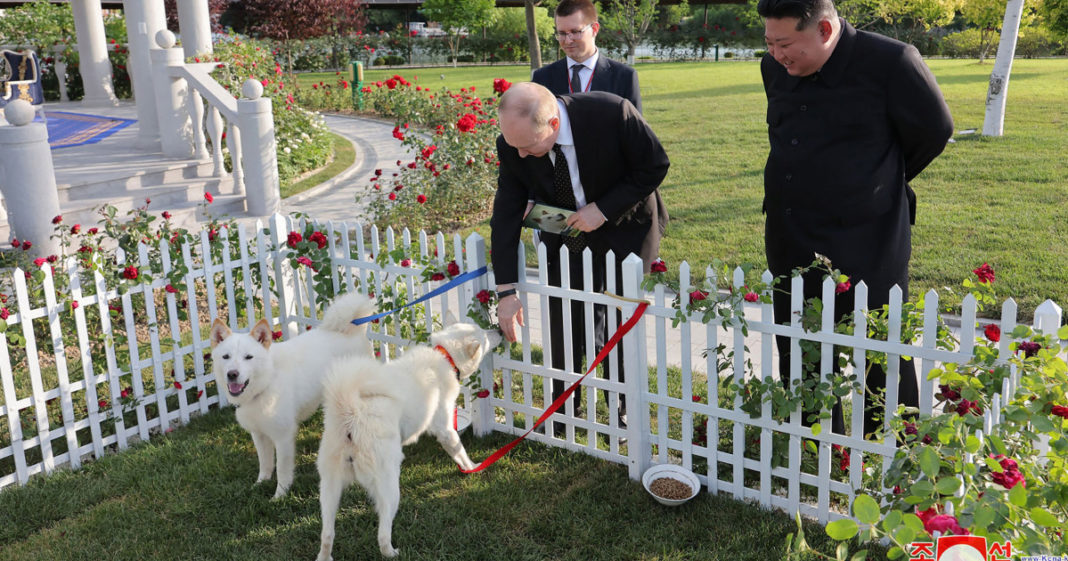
844,145
608,76
621,164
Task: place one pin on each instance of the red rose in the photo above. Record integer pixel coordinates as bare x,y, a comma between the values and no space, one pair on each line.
993,332
842,287
1030,348
304,261
126,392
166,215
985,273
319,238
15,243
406,263
94,230
1010,475
74,305
276,335
40,261
467,123
76,228
4,314
428,151
452,268
483,394
1060,411
944,523
170,288
293,239
500,85
392,196
751,297
177,385
658,266
698,295
948,392
57,219
130,272
208,197
26,245
103,403
484,296
420,198
437,276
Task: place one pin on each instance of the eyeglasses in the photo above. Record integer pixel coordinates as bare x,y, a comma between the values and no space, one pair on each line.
564,35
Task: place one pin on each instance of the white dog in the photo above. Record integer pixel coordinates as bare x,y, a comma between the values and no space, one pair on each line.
276,387
372,409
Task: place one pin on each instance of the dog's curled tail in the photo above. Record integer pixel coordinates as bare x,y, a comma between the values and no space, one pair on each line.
345,308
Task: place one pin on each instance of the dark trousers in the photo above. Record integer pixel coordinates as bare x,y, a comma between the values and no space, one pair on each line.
557,333
908,391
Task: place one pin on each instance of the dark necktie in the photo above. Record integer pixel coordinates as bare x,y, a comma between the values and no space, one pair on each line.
565,196
576,80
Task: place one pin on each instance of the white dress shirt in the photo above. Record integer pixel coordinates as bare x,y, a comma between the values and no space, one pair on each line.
586,71
567,145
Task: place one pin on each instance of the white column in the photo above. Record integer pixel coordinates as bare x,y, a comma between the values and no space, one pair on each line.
259,159
194,25
28,179
144,18
93,53
172,93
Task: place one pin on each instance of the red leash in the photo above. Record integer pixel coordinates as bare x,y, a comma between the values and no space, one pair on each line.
558,402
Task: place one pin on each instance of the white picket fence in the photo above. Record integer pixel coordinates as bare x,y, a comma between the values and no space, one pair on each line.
67,407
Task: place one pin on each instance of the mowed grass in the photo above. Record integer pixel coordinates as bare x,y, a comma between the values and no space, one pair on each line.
996,200
190,495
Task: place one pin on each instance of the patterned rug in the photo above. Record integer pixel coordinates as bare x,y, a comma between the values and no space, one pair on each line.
74,129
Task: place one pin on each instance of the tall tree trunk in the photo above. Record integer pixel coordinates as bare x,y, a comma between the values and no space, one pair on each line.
997,92
533,44
631,47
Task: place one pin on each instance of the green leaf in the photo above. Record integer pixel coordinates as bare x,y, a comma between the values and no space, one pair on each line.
841,551
998,444
912,521
817,429
1042,516
1018,496
866,510
892,520
922,488
930,463
984,515
972,444
993,465
947,485
894,553
861,555
841,530
1062,333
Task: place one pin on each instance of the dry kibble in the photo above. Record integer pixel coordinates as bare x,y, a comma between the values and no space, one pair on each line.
672,489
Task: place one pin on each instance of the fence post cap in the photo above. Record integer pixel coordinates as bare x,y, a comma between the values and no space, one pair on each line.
19,112
252,89
165,38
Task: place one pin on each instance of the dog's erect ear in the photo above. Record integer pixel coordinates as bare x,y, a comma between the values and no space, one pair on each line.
219,332
472,348
262,333
449,319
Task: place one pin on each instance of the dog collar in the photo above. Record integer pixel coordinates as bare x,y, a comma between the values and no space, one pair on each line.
448,357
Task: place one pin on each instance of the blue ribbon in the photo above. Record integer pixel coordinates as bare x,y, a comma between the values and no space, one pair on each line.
456,281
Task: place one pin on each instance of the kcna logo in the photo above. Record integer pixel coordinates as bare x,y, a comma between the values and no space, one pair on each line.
959,548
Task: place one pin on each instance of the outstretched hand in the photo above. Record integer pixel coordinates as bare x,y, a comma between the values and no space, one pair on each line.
510,313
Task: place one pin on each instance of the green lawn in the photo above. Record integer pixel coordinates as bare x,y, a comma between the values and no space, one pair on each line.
189,495
344,156
1000,201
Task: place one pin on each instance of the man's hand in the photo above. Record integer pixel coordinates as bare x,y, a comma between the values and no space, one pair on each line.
587,218
509,312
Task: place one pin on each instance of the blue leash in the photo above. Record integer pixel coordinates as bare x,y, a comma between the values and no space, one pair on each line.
457,281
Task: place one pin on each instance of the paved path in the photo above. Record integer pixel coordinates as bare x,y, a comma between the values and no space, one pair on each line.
375,149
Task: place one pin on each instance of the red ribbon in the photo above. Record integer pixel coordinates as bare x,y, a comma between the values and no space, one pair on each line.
559,401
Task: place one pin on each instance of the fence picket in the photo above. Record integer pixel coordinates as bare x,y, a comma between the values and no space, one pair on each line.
176,354
89,376
17,448
62,374
39,398
161,386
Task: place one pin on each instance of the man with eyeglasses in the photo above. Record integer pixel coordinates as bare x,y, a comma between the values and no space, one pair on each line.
853,117
584,69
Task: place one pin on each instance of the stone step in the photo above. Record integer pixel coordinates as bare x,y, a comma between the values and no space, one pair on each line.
123,179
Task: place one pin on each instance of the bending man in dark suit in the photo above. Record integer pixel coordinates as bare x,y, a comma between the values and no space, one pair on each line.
613,164
576,30
852,118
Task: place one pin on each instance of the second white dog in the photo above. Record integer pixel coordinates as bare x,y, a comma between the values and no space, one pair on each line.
276,387
372,409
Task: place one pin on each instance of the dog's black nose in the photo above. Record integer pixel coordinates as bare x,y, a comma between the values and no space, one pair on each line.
231,375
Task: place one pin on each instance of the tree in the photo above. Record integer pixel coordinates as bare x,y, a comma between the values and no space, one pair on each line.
216,8
987,15
39,24
630,19
289,20
1055,14
997,92
458,18
532,34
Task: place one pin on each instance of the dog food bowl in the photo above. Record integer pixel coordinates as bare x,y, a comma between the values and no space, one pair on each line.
463,420
671,481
